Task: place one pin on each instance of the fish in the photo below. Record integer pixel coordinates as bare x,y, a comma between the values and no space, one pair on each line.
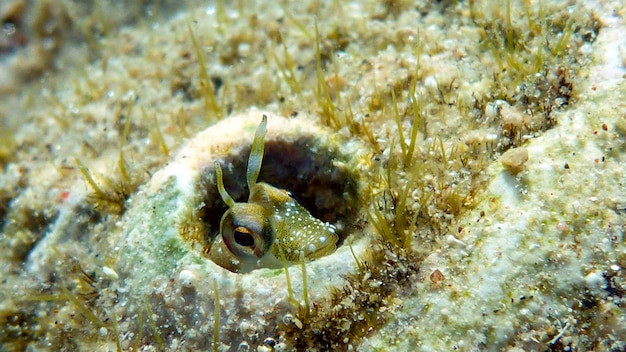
271,229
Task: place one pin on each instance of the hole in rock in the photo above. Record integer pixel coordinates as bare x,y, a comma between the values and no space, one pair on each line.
317,179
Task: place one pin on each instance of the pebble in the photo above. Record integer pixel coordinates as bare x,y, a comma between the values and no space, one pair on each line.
186,278
109,273
514,159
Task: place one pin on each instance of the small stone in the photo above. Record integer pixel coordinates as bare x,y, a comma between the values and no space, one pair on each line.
437,276
243,347
109,273
287,319
297,322
595,280
514,159
280,347
269,342
186,278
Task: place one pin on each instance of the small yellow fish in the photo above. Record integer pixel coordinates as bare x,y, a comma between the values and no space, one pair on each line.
271,227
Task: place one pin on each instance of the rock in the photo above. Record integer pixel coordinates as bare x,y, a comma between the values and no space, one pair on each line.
514,159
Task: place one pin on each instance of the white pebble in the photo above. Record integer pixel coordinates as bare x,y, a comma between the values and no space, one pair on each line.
595,280
109,273
186,278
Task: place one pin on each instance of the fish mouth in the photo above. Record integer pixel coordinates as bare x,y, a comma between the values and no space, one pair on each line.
326,249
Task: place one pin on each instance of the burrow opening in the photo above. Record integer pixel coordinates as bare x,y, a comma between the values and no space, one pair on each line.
319,178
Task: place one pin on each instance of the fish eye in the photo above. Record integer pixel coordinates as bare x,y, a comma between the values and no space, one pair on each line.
244,231
244,237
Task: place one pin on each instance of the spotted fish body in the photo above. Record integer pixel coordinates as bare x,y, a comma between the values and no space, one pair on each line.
271,228
297,232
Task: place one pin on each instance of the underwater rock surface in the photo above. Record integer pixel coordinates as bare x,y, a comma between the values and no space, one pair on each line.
164,275
388,119
164,250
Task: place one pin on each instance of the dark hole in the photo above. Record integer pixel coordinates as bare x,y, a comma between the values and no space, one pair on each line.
307,172
244,239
